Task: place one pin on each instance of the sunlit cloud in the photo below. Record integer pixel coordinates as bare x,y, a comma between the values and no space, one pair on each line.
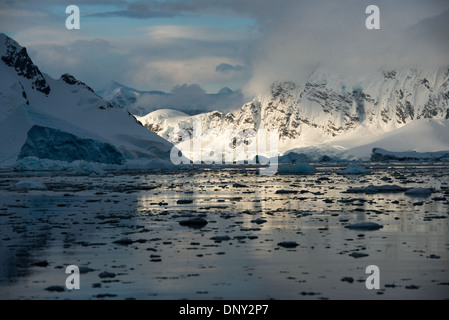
198,33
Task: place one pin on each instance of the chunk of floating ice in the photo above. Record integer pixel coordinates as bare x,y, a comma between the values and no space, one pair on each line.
365,226
239,185
296,168
221,238
348,279
29,185
106,274
354,169
358,255
184,201
418,192
194,222
377,189
55,288
84,270
259,221
124,241
282,191
288,244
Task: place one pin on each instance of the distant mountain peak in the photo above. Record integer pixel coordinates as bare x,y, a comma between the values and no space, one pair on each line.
225,91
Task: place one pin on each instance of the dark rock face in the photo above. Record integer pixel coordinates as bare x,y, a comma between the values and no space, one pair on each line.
18,59
24,95
48,143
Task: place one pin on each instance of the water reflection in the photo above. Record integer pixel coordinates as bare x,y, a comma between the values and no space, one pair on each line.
129,224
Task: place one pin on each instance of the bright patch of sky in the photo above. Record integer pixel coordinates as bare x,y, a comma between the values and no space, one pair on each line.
123,26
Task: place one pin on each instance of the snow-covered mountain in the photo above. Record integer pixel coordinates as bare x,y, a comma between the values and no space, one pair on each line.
64,119
191,99
125,97
163,121
328,114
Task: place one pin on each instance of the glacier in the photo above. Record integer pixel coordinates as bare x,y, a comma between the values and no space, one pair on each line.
49,143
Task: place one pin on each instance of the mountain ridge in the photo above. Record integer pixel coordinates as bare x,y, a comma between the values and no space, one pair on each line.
327,107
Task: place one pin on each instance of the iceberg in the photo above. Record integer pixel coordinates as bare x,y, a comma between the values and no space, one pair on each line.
297,168
377,189
293,157
29,185
419,192
354,169
54,144
379,154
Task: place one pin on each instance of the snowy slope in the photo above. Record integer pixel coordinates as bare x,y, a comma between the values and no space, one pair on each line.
168,116
423,135
162,121
61,109
330,115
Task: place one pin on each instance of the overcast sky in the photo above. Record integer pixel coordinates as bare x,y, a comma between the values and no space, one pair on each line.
241,44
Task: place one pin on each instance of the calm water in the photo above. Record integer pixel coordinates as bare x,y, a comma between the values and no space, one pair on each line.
128,224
